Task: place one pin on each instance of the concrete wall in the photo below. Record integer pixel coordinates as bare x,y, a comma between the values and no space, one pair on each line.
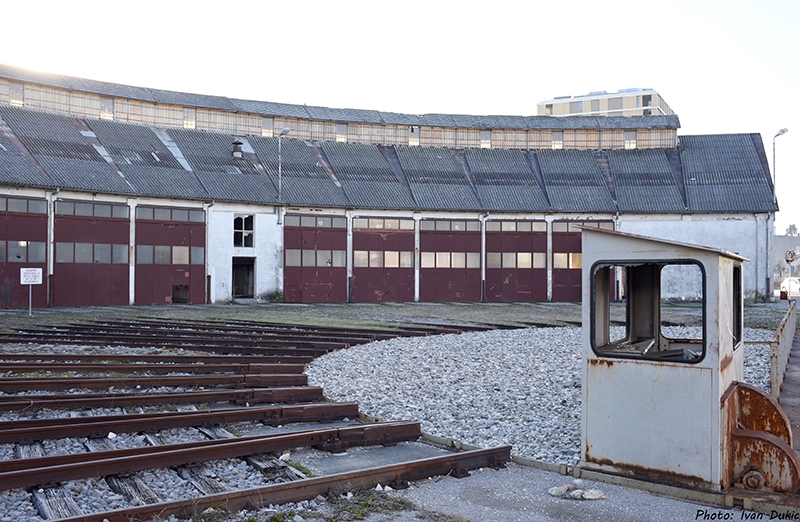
747,235
267,250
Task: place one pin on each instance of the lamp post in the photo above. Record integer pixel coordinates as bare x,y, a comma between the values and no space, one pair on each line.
284,132
774,169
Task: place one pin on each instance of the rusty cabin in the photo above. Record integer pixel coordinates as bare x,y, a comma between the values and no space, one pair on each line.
663,405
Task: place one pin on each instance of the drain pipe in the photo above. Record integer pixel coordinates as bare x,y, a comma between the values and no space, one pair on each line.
207,209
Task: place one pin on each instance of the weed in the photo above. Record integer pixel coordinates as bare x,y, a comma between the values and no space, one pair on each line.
302,469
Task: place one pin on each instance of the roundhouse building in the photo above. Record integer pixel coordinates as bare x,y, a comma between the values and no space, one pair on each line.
127,195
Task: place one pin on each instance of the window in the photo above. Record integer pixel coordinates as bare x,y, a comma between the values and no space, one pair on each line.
119,254
267,126
615,106
189,118
595,106
106,109
180,255
486,139
341,132
144,254
17,94
548,109
65,253
360,259
83,253
102,254
406,259
198,255
413,136
557,139
243,231
575,107
293,257
642,287
428,259
162,255
630,139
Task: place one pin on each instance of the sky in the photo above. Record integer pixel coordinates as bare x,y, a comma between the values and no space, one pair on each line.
728,66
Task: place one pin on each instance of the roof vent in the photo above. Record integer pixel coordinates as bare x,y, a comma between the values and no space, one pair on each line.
237,149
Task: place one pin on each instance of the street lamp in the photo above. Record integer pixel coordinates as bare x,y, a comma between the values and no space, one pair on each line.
774,169
284,132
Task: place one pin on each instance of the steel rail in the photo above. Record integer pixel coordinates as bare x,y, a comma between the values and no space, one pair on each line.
64,383
200,334
26,431
156,344
232,367
400,329
160,339
203,329
45,471
155,359
289,395
296,491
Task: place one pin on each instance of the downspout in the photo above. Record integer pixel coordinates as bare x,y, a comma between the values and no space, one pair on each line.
51,227
483,219
208,292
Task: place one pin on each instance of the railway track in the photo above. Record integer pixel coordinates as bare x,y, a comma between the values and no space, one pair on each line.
203,394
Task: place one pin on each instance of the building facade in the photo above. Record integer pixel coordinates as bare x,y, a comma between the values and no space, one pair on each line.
130,195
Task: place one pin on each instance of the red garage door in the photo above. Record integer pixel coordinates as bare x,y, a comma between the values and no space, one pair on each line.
516,261
91,254
23,244
383,260
567,261
315,259
450,260
170,256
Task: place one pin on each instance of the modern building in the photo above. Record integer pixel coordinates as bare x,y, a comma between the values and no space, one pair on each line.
125,194
625,102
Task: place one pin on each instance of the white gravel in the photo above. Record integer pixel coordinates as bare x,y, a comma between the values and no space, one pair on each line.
518,387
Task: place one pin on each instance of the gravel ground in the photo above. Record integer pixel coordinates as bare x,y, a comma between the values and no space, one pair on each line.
518,387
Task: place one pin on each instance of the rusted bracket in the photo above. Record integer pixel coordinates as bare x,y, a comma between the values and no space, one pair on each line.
758,439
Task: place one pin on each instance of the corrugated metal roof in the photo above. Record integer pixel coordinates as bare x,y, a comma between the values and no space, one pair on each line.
24,75
395,118
133,144
164,182
304,180
574,181
89,176
366,177
210,151
344,115
281,110
15,169
240,188
726,173
504,180
186,99
115,90
435,179
644,182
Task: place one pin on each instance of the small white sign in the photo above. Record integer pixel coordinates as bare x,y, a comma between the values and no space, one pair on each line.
30,276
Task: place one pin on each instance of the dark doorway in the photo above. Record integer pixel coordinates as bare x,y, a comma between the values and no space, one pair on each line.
243,276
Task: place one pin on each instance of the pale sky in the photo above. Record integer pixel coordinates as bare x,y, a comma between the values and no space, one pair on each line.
724,66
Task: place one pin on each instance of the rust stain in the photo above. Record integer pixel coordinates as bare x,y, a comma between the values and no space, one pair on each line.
725,362
601,362
648,474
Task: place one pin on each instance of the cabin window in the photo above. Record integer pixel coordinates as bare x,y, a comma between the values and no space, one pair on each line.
243,231
629,302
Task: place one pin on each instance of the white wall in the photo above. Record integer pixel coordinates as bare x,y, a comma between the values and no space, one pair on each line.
267,250
746,235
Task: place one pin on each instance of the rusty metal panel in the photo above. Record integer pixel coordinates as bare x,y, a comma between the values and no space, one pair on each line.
158,283
391,281
666,434
315,280
518,282
96,283
566,281
446,282
16,227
